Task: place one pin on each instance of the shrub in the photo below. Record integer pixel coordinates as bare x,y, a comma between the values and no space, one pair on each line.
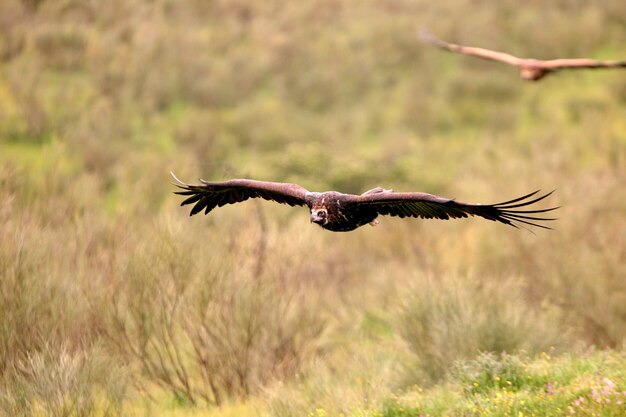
494,371
209,327
352,381
455,318
57,382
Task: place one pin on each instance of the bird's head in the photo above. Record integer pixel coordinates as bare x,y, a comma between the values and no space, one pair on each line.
319,216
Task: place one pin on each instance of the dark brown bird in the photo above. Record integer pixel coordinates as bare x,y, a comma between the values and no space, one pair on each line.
340,212
529,69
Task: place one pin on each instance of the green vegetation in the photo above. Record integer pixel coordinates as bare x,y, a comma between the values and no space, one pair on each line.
512,386
114,302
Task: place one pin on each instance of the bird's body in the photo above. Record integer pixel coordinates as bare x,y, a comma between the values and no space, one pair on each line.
334,211
339,212
530,69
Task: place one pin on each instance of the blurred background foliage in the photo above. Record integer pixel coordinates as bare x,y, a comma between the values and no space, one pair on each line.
108,286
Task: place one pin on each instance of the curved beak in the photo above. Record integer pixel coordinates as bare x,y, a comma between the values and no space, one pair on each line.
315,218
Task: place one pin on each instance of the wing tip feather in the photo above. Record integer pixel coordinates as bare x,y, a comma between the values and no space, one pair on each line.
178,181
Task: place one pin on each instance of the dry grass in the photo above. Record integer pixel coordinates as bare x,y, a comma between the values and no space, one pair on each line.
447,319
55,382
218,324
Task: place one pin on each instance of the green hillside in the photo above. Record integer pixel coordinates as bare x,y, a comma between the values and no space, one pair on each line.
114,302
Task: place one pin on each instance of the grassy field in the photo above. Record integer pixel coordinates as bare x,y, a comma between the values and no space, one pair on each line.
114,302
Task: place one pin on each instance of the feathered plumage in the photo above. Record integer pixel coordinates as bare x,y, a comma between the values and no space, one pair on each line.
529,69
341,212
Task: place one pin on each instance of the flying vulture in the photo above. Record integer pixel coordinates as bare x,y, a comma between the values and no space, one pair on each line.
341,212
529,69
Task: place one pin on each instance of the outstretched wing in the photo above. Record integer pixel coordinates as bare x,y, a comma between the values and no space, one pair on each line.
554,64
209,195
428,37
429,206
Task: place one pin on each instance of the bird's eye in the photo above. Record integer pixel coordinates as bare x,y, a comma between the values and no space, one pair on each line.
321,213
